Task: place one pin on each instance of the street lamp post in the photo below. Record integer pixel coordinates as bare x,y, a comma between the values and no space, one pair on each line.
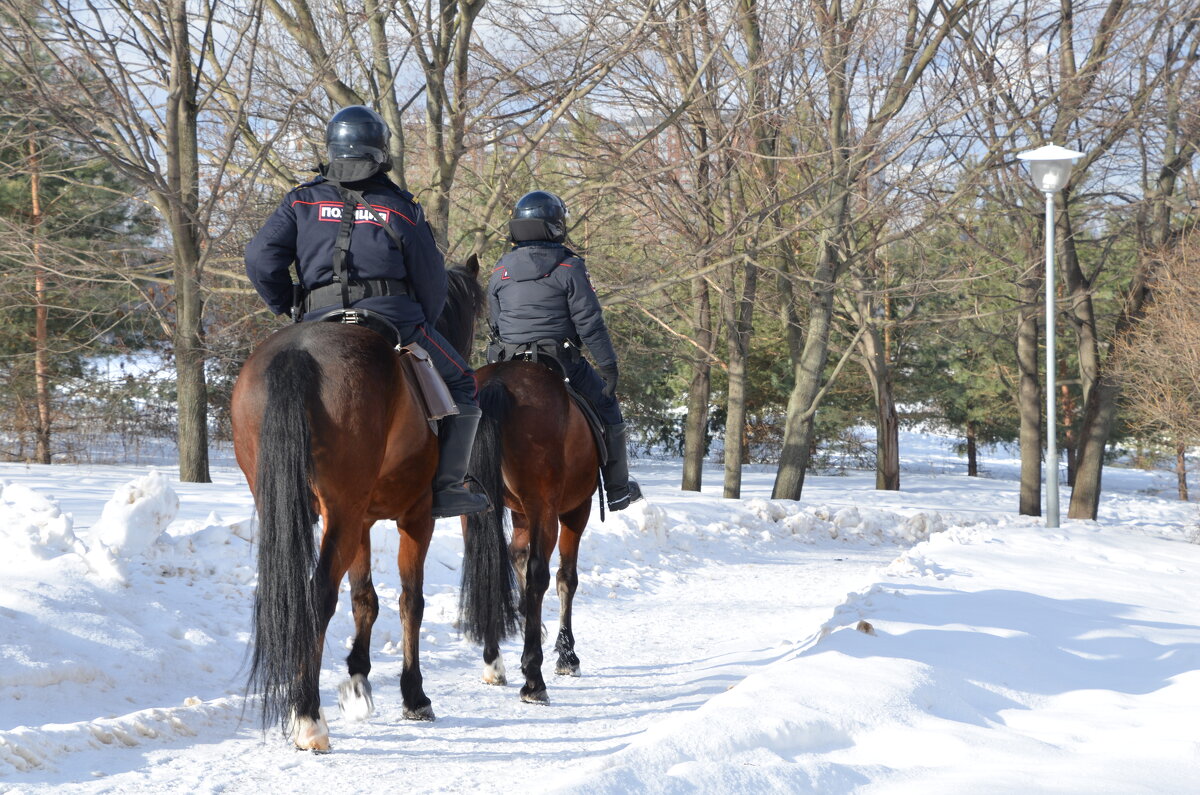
1050,167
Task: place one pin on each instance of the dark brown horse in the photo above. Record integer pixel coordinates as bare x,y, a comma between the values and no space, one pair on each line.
326,423
535,454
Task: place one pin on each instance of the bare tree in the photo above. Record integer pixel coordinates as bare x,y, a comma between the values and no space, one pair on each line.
141,80
847,146
1166,47
1157,363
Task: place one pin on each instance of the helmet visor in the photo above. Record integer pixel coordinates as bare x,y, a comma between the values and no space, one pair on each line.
542,205
358,140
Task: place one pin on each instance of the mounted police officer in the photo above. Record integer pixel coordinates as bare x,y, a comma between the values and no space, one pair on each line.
541,291
360,241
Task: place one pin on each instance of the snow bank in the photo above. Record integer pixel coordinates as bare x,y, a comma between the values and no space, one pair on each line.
32,526
1049,659
137,515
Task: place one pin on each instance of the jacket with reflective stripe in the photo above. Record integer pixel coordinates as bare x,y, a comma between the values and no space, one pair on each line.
303,230
542,291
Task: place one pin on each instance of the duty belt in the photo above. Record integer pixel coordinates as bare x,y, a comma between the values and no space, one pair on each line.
331,292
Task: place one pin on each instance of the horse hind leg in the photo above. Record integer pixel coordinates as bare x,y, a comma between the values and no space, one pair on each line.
354,694
542,537
415,535
567,582
307,727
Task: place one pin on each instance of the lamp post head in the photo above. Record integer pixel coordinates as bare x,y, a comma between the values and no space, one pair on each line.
1050,166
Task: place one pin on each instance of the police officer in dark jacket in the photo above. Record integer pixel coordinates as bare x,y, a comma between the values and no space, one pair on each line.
541,291
394,270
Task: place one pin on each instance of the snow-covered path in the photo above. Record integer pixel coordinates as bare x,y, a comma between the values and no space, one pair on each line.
717,639
644,654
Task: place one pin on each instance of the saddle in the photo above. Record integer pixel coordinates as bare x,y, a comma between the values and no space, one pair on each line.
547,353
414,360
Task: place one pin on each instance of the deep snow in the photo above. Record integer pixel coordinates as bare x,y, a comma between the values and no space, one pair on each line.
926,640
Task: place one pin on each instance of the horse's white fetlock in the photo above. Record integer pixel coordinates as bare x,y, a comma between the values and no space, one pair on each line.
308,734
494,673
354,697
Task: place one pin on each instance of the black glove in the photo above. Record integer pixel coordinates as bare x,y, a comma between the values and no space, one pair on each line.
610,376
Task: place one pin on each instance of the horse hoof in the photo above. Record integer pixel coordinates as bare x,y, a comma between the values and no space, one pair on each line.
567,669
494,673
535,697
354,698
308,734
420,713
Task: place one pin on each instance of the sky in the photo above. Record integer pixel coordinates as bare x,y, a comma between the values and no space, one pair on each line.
927,640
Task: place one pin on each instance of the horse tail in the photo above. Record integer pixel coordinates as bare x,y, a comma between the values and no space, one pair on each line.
487,606
286,626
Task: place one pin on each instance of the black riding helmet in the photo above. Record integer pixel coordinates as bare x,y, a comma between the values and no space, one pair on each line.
356,142
538,215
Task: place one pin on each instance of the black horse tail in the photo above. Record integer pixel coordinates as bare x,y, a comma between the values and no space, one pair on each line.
487,604
286,627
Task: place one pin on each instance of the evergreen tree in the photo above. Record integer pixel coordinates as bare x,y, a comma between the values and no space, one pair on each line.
67,292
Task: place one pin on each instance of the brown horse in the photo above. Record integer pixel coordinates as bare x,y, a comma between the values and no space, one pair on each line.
535,454
326,422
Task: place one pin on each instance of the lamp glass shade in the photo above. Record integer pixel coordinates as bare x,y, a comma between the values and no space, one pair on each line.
1050,166
1050,175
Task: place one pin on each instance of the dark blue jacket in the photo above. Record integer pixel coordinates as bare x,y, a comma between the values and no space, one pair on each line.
542,291
303,230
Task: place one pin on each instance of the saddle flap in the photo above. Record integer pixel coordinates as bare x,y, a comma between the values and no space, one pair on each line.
593,420
434,394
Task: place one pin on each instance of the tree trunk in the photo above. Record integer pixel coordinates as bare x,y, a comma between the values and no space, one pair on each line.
1082,316
438,209
1079,292
887,441
1029,402
807,372
1101,409
182,206
191,384
444,51
740,324
887,421
972,452
1069,408
385,79
1093,437
695,424
1181,471
41,337
735,421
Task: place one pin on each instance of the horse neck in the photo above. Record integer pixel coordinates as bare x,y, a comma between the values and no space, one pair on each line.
464,303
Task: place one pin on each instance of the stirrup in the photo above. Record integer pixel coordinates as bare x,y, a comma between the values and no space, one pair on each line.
457,501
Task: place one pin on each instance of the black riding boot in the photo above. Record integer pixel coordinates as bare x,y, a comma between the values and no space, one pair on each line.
621,489
456,434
